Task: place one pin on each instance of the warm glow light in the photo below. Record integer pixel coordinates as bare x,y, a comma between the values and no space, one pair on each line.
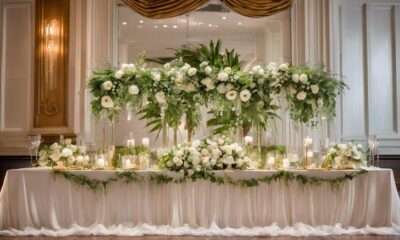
124,23
223,17
210,25
165,26
155,26
240,23
51,35
141,21
175,26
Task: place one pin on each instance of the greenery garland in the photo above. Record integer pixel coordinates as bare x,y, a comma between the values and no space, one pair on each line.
128,177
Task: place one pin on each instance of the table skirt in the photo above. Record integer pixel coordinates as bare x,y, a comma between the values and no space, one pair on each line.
33,202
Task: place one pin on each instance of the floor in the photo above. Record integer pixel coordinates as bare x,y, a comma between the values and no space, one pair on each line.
361,237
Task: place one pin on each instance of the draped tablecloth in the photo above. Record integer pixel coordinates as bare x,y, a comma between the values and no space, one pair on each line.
33,202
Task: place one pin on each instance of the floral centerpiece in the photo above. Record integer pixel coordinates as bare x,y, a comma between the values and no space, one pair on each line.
345,155
202,156
62,154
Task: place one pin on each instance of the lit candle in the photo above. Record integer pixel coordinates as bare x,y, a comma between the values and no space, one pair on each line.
270,161
310,154
248,140
100,161
79,159
146,142
307,141
130,142
285,163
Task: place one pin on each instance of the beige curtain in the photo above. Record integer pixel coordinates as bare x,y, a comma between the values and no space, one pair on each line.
170,8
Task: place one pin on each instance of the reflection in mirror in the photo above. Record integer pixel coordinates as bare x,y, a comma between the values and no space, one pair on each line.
256,40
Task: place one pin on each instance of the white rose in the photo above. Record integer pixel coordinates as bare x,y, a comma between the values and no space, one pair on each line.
176,159
119,74
55,156
179,153
192,71
156,77
66,152
179,163
160,97
231,95
167,66
133,89
107,85
301,95
208,70
320,102
314,89
295,77
303,78
283,67
227,69
107,102
204,152
245,95
68,141
179,78
256,68
357,155
213,162
196,143
222,76
359,146
221,88
205,159
260,71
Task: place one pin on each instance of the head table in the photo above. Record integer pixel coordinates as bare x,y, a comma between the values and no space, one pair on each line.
34,202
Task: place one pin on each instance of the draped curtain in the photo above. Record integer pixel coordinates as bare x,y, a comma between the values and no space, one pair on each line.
170,8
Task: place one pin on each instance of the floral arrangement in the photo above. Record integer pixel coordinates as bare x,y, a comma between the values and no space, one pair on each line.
345,155
62,154
237,99
202,156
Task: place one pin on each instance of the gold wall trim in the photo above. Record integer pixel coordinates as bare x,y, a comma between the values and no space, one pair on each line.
51,63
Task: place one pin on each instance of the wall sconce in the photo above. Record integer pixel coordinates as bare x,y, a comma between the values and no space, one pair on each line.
52,33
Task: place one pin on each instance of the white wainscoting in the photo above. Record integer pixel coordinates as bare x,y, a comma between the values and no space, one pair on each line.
17,49
365,50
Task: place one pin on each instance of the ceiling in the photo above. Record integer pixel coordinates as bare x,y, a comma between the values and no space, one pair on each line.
211,21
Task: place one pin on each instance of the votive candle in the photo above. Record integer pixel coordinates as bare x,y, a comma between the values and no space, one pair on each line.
307,141
285,163
146,142
248,140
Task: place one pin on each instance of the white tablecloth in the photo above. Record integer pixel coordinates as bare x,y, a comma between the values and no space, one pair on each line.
33,202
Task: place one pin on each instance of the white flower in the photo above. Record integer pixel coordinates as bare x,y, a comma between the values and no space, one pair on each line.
209,83
359,146
314,89
222,76
256,68
295,77
160,97
320,102
231,95
179,163
107,85
245,95
229,87
205,159
221,141
179,78
357,155
119,74
260,71
68,141
167,66
107,102
208,70
301,95
283,67
176,159
156,77
54,146
303,78
227,69
192,71
221,88
196,143
205,152
203,64
66,152
133,89
55,156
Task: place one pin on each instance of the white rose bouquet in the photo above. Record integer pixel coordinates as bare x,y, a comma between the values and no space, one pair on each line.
205,155
63,153
345,155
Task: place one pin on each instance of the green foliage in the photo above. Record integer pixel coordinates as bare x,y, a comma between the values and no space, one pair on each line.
285,176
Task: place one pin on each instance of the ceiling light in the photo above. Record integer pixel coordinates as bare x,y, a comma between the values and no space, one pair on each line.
223,17
155,26
210,25
124,23
165,26
175,26
240,23
141,21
